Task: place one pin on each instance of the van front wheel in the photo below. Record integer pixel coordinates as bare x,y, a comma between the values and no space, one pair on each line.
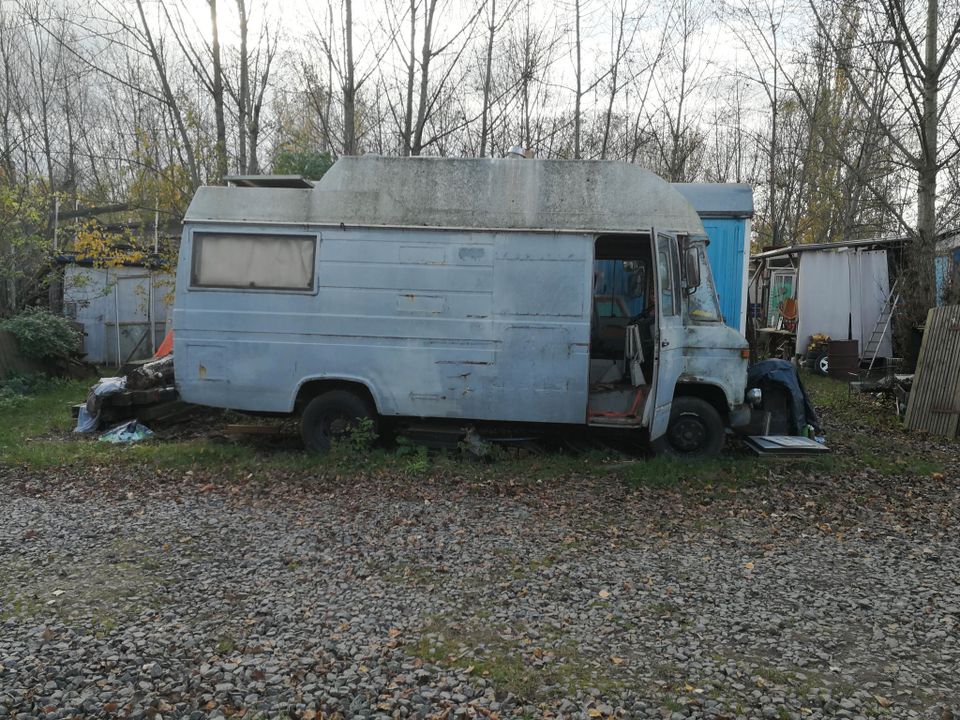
333,416
695,431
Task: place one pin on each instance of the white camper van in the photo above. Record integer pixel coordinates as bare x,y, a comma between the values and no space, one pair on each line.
523,291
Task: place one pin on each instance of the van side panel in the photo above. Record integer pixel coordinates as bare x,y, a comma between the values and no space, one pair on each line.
474,325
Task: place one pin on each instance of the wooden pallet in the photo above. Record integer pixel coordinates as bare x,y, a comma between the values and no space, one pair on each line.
934,404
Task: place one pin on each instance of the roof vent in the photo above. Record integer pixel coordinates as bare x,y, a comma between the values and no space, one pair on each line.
268,181
518,152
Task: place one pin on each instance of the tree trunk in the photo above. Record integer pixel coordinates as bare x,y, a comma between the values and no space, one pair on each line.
578,72
485,113
774,110
927,189
919,273
614,87
426,54
220,151
349,86
243,94
411,69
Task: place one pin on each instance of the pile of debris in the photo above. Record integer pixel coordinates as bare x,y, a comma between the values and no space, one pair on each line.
891,385
146,393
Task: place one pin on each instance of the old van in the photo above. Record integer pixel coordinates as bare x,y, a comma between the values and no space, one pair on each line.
524,291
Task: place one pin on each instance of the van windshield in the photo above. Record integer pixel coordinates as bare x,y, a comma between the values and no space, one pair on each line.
702,303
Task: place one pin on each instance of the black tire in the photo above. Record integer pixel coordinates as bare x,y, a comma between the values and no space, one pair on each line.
695,431
330,415
821,363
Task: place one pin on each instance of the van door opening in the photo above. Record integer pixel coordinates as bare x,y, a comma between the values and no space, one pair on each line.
622,330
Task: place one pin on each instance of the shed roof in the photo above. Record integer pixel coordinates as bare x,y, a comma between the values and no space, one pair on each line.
718,199
872,243
560,195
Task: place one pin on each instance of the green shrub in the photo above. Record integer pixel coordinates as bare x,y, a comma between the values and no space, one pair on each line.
17,387
41,335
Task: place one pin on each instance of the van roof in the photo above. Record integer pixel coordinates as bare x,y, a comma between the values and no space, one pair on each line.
559,195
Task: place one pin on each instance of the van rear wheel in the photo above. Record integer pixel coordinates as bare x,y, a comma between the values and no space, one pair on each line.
695,432
332,416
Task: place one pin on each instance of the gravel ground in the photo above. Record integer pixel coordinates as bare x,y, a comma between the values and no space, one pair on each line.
144,593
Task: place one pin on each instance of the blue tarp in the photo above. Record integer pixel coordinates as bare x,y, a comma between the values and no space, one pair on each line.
782,373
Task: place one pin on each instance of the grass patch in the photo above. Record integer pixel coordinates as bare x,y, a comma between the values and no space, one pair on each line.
35,430
510,666
661,472
226,645
865,433
774,676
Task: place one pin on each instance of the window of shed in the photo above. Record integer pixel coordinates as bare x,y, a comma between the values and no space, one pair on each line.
260,262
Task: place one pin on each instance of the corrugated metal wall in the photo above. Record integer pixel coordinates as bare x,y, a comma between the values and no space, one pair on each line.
727,253
103,299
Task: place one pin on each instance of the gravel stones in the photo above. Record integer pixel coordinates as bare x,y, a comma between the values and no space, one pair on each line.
132,592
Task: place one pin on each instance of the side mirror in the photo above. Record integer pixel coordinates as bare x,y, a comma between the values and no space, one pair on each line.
691,267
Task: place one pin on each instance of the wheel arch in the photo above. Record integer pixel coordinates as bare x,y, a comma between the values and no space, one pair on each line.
708,392
310,388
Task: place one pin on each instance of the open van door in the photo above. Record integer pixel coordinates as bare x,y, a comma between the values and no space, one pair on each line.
669,334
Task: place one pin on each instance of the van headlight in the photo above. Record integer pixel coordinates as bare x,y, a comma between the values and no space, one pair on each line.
754,397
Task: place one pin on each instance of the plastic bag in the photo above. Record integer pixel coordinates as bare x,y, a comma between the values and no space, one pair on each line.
128,432
88,418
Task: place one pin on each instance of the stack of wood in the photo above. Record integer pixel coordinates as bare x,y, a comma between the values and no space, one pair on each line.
934,404
149,395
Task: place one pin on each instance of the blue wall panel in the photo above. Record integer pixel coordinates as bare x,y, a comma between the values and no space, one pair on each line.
727,260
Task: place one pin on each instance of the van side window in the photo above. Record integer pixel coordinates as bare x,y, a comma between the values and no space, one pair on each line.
253,261
667,272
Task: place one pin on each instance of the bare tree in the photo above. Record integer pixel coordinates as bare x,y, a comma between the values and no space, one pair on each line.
432,80
144,35
927,78
495,24
349,68
624,31
248,92
531,53
680,139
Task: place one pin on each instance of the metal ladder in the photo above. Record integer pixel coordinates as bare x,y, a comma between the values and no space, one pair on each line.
883,324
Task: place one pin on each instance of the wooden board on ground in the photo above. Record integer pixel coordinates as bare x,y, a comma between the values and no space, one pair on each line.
784,445
934,404
165,413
